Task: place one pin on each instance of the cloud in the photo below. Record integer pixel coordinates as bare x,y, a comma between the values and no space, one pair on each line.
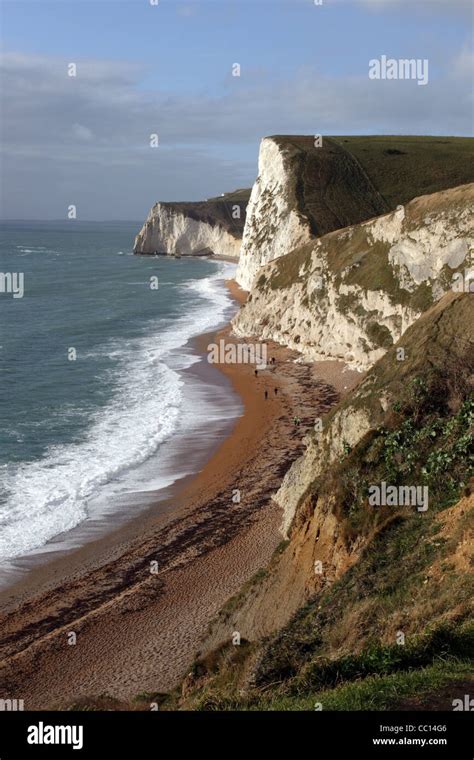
86,139
186,11
463,65
82,132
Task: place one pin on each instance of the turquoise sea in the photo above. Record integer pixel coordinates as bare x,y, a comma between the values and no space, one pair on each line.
95,375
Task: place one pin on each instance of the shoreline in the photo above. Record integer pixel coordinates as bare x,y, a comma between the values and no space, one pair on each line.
126,512
210,407
138,631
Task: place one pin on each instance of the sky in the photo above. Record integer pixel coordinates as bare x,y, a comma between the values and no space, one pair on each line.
165,68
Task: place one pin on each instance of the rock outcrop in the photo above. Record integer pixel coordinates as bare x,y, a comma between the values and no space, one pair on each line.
302,191
351,294
352,574
305,190
433,380
214,226
345,261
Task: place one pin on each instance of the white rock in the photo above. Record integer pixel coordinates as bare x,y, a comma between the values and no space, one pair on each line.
273,227
168,231
326,313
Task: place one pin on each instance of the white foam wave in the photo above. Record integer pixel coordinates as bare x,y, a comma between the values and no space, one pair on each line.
52,495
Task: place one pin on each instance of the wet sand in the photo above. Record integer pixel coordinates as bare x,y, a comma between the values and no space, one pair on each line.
140,598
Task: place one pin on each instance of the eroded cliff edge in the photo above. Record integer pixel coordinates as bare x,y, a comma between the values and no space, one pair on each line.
351,294
365,606
362,606
211,227
306,189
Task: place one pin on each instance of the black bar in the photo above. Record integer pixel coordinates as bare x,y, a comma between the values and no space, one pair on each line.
137,734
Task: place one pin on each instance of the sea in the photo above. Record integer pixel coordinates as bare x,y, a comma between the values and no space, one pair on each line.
102,403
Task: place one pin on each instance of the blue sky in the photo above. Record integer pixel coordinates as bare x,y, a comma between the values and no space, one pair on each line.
166,69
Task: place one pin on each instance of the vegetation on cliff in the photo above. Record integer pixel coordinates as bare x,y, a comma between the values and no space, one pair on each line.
397,626
216,211
350,179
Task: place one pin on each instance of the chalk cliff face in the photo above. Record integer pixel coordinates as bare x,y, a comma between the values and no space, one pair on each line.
274,224
337,271
351,294
435,361
214,226
301,191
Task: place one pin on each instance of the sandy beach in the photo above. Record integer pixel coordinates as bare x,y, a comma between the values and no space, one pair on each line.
140,598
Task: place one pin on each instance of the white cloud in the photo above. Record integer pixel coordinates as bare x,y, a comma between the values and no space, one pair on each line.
82,132
463,65
71,134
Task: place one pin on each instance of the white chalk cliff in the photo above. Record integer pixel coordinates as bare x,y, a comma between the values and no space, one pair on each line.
274,225
196,228
302,191
352,293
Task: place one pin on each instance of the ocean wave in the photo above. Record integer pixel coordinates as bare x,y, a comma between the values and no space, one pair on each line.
51,496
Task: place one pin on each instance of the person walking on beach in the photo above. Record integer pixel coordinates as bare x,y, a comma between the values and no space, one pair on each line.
266,394
276,391
256,372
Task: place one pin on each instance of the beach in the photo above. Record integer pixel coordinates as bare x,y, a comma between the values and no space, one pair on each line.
140,598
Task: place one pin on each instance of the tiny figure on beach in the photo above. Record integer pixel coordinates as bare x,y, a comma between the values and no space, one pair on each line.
266,394
256,372
276,391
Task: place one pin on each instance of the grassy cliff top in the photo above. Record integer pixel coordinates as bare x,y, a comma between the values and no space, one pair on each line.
216,211
351,178
403,167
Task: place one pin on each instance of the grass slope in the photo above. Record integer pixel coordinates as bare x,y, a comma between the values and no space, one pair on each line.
351,179
341,648
404,167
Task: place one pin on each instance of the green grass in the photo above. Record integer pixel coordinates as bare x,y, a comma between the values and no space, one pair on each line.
379,334
248,587
423,444
288,269
332,188
351,179
445,642
422,165
242,194
378,692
